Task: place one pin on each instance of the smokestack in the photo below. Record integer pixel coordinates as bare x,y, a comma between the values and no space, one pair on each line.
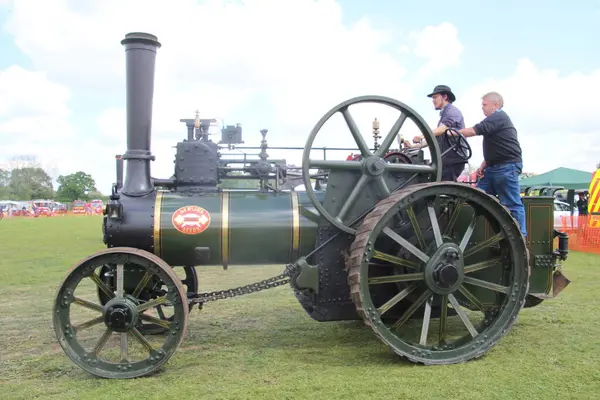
140,53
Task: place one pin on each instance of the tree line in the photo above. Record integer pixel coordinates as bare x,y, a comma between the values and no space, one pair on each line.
25,179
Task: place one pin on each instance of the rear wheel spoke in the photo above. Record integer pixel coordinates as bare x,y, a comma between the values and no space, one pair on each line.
462,315
425,326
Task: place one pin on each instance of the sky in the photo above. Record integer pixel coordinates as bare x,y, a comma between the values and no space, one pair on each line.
282,65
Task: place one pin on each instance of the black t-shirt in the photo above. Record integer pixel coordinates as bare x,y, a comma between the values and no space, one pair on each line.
582,206
500,141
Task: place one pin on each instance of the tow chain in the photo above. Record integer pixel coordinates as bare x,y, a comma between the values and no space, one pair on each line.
265,284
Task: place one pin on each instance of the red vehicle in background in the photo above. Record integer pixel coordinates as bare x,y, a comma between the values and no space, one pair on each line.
43,207
468,178
60,209
95,206
78,207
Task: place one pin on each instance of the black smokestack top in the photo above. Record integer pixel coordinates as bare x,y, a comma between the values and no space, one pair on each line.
140,53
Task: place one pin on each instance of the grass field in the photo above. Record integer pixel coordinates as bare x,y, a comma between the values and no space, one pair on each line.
264,346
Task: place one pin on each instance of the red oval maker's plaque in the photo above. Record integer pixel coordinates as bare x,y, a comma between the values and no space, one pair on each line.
191,220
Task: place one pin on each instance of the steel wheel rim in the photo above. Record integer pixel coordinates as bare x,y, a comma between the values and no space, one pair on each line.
95,364
493,330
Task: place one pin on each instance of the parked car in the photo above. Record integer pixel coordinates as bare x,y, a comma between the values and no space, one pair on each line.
562,215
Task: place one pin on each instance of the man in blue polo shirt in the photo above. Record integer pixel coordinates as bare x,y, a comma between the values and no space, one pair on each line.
450,117
502,160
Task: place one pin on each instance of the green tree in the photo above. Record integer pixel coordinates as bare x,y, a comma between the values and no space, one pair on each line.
4,183
30,183
75,186
95,194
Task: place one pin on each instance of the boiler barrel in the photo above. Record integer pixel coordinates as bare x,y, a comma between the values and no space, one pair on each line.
237,227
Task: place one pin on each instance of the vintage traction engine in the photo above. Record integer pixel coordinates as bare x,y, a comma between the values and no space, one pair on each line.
438,270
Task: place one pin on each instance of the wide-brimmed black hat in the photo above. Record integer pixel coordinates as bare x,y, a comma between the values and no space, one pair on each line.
443,89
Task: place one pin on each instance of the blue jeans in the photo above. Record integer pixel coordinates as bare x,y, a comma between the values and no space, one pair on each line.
503,181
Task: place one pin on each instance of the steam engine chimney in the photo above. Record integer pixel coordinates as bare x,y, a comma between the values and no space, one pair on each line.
140,52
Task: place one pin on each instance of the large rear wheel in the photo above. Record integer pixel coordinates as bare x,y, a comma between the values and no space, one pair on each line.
439,271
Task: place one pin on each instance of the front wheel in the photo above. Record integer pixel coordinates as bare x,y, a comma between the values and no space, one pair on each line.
105,339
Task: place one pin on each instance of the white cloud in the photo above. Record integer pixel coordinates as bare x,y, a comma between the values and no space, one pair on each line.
553,115
440,46
34,118
215,57
286,62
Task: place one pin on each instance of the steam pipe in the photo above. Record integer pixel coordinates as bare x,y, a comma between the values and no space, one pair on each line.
119,182
140,53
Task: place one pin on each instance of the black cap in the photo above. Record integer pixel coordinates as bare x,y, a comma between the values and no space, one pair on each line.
443,89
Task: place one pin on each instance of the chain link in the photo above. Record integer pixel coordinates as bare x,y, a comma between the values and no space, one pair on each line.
265,284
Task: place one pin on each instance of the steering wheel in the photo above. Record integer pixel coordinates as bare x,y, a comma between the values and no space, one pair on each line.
459,143
371,165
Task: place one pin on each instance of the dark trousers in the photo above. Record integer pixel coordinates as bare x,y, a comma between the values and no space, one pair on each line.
451,172
503,181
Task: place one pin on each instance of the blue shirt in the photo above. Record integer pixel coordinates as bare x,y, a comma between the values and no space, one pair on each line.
451,117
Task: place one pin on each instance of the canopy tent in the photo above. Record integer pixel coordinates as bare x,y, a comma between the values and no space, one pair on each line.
568,178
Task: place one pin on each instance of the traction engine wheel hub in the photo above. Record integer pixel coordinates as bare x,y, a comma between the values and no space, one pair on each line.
445,275
444,271
120,315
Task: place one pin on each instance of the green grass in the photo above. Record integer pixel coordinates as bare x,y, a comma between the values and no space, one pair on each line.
264,346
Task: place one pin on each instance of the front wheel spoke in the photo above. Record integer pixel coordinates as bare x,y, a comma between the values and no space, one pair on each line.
487,285
461,314
152,303
107,291
120,280
396,278
136,334
143,282
351,200
123,346
471,298
358,137
149,318
88,324
485,244
482,265
335,164
426,319
411,310
389,139
103,339
394,260
87,304
437,234
160,312
443,318
406,244
383,187
396,299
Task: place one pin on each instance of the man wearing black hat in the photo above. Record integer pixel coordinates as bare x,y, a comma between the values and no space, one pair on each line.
450,117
